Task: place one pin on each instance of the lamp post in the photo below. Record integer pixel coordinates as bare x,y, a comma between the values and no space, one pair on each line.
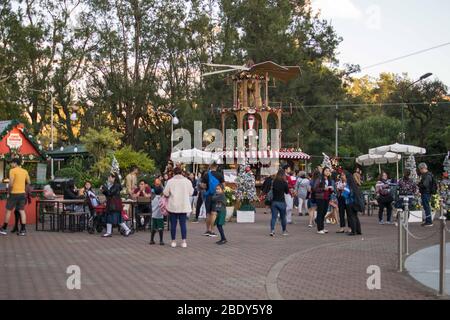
51,130
173,122
403,134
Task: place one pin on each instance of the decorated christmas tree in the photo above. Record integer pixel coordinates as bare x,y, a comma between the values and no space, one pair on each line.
326,162
115,167
447,163
411,165
246,188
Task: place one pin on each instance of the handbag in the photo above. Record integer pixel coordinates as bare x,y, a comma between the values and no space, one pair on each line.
163,201
202,214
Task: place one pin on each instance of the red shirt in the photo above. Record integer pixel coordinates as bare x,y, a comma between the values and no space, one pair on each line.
139,192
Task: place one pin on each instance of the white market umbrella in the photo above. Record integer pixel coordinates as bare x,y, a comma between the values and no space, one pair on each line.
398,148
193,156
371,159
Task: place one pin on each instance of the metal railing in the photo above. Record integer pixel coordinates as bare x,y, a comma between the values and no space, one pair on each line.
403,242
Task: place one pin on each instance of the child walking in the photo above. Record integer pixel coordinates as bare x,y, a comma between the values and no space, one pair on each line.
219,207
157,217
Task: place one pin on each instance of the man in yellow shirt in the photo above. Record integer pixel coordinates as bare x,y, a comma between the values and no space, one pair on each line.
18,181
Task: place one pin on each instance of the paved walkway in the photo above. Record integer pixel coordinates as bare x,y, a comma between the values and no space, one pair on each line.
252,265
424,267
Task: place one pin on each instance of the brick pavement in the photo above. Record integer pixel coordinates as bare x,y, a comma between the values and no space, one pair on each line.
252,265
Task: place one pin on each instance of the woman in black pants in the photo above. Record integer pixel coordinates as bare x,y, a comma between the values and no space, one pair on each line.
352,196
323,188
384,198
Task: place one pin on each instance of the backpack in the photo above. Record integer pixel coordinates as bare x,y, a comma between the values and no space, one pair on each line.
360,203
213,182
434,185
163,205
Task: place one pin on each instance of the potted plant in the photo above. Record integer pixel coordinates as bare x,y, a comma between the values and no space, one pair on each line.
246,193
415,211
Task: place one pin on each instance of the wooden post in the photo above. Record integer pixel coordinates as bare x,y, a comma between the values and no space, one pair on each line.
245,99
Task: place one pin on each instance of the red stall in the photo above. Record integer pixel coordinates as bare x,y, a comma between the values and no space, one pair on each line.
17,142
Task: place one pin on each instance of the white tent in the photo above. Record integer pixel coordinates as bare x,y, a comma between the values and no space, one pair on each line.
191,156
371,159
398,148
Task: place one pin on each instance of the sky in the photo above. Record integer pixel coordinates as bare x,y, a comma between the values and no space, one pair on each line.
380,30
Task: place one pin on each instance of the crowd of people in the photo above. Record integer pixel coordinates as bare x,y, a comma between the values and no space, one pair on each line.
323,195
326,195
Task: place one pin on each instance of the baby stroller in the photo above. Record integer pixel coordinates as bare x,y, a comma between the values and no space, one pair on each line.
97,217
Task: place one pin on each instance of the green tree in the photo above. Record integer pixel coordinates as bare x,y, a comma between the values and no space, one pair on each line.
101,144
128,158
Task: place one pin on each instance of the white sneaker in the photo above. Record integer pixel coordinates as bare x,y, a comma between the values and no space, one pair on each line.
107,235
325,230
184,244
173,244
321,232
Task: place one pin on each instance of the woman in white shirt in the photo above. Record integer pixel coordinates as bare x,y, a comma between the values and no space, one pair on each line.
179,190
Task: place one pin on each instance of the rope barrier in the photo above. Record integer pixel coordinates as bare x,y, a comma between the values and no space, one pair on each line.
406,228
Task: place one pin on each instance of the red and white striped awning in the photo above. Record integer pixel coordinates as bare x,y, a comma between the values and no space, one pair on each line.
298,155
248,154
264,155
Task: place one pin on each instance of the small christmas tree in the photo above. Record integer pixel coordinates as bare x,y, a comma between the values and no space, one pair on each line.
115,167
326,162
411,165
447,163
246,187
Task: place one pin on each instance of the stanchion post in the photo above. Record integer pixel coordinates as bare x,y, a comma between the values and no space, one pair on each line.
406,218
442,258
400,242
442,262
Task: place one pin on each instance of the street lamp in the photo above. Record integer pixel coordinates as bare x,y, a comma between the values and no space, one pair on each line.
423,77
403,134
51,130
174,120
73,116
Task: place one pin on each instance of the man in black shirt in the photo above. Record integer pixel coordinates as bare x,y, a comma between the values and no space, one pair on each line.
426,190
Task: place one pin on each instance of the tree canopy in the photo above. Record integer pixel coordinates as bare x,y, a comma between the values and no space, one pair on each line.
122,65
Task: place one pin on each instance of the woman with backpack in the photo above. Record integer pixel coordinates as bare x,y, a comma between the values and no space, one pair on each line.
384,197
353,201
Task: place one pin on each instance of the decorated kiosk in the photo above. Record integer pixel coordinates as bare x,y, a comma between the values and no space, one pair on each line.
256,119
17,142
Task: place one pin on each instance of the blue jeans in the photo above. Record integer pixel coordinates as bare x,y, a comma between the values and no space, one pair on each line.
426,206
278,207
174,217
